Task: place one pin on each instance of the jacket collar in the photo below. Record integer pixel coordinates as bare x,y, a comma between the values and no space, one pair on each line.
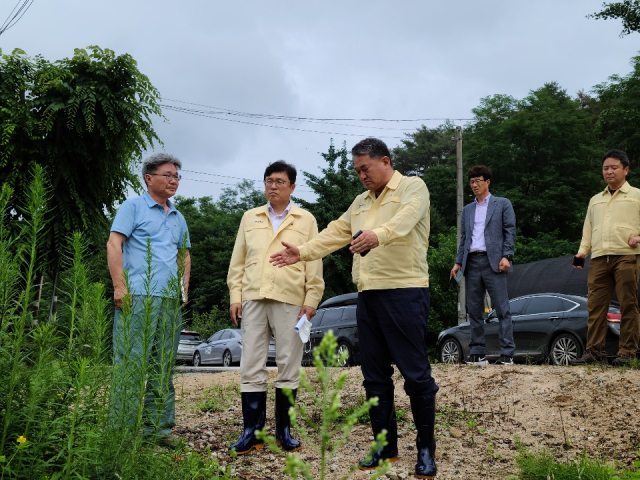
392,184
624,188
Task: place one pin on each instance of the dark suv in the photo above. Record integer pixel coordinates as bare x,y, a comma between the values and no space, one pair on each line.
337,314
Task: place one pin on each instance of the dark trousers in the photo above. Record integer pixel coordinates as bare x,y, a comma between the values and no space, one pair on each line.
480,277
605,274
391,328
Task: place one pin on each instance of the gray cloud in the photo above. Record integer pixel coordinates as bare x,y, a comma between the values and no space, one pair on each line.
374,59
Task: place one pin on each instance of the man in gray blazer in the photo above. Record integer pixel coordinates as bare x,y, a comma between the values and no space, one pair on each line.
487,240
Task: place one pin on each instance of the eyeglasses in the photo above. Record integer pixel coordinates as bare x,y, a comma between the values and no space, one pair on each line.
476,182
279,182
168,177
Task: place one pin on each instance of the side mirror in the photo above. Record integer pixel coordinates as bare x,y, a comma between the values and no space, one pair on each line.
491,316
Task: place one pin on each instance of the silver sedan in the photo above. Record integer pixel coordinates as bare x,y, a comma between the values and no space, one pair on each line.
223,347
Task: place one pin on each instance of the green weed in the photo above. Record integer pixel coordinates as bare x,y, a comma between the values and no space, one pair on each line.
218,398
57,377
328,434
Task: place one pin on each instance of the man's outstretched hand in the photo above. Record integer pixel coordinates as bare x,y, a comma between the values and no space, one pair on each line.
288,256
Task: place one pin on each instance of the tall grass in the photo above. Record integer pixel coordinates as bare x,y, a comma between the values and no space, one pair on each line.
57,376
334,426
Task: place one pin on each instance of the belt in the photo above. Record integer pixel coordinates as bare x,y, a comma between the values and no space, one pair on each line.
482,254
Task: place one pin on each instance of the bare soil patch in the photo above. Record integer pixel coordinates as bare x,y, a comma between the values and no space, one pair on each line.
481,411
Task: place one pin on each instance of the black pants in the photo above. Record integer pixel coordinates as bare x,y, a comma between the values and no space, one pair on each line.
391,328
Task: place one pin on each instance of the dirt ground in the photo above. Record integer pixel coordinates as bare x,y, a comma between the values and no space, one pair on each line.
481,411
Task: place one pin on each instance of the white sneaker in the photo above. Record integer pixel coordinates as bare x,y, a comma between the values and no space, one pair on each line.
475,359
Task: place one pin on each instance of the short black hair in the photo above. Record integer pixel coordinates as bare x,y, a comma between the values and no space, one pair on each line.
282,166
619,154
373,147
479,171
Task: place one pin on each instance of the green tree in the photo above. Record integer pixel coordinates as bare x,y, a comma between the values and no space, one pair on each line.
335,191
618,110
545,158
430,153
213,227
87,121
444,299
627,10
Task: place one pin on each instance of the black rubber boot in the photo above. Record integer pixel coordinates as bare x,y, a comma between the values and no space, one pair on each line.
283,422
424,416
383,417
254,413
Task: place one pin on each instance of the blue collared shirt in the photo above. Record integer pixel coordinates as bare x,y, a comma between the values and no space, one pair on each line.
477,237
140,219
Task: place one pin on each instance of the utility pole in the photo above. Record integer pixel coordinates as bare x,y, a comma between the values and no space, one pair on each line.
462,310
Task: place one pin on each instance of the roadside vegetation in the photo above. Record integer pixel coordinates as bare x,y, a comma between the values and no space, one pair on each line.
55,387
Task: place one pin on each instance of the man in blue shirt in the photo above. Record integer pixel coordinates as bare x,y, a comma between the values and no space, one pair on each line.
149,263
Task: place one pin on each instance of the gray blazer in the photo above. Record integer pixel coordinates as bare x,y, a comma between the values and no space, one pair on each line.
499,231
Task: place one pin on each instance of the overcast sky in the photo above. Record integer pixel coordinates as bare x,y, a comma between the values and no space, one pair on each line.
361,59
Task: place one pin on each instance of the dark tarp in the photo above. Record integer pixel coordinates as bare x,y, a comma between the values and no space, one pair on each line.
550,275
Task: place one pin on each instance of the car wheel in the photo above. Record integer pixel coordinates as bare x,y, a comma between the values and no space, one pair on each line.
564,348
226,358
196,359
344,347
451,351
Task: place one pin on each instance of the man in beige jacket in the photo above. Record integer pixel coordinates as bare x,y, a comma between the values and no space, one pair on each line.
271,301
387,228
610,235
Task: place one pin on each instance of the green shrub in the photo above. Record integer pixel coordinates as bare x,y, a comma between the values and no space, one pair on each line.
56,377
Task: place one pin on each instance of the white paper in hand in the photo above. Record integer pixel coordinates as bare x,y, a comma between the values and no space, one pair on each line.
303,328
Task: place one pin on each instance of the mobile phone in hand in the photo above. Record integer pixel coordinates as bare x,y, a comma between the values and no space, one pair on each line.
358,233
577,261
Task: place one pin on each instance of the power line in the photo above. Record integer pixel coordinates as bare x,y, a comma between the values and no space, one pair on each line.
296,119
286,117
20,9
203,114
225,176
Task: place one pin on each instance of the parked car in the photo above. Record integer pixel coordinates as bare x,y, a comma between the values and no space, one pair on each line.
337,314
546,326
271,355
189,340
222,348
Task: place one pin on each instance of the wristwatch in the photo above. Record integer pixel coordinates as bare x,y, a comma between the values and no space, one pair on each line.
508,257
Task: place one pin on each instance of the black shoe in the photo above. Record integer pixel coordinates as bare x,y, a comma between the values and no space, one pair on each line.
423,408
622,360
254,412
504,360
475,359
587,358
283,422
383,417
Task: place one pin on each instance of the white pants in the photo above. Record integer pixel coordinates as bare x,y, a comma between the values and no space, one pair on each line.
261,319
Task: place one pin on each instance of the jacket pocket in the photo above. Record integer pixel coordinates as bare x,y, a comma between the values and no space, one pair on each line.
252,273
295,235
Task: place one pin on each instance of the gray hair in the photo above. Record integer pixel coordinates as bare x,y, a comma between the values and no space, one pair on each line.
151,164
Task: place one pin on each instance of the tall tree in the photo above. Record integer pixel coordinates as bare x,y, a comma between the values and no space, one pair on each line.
335,191
618,108
627,10
544,155
86,120
430,153
213,227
